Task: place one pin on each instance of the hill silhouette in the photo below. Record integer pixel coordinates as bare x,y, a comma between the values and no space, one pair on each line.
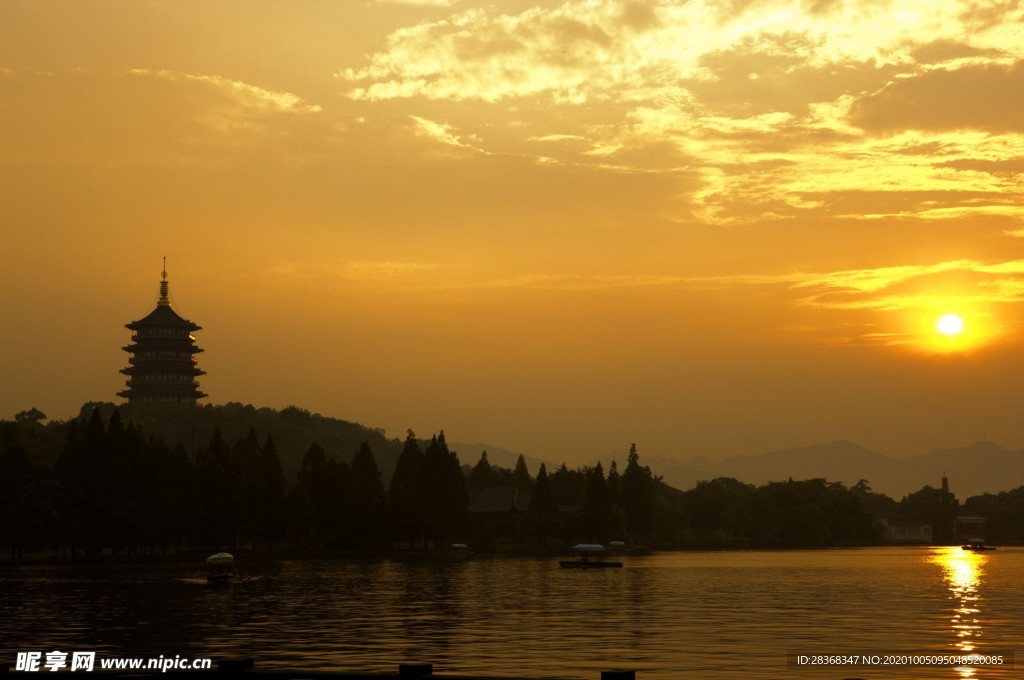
469,454
294,430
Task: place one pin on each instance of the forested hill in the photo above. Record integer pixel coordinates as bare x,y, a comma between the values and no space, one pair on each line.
293,429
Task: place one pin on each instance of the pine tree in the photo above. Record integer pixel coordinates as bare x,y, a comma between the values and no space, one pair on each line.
637,498
93,485
245,478
271,494
568,485
215,520
70,472
26,496
521,475
405,492
597,506
482,474
369,502
137,480
543,508
614,482
446,499
168,502
316,481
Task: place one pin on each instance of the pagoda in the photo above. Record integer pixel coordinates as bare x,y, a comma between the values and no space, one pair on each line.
163,365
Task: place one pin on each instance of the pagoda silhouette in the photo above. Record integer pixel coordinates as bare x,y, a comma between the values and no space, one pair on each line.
163,365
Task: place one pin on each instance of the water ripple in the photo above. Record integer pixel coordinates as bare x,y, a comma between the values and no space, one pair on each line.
730,615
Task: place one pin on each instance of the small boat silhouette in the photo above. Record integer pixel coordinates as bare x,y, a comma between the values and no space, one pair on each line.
221,568
586,559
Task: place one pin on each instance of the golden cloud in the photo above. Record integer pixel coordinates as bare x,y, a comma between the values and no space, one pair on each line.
774,105
139,117
917,286
618,49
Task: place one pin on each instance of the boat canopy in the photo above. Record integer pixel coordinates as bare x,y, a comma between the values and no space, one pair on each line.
459,546
616,544
221,558
588,547
976,541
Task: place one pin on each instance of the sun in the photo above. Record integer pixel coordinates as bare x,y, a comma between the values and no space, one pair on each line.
950,324
953,326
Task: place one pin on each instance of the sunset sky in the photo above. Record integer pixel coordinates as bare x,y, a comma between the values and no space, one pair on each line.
709,228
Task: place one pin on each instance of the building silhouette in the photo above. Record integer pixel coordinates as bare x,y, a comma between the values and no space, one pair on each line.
162,363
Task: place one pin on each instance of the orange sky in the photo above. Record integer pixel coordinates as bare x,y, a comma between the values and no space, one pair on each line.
560,227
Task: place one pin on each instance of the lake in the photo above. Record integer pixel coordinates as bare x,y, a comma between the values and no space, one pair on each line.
702,614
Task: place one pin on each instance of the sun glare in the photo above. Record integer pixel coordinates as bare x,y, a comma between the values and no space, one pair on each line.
950,324
953,327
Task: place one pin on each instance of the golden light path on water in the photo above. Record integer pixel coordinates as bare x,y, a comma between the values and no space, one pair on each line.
963,571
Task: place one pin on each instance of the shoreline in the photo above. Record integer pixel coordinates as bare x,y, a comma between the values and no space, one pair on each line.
193,557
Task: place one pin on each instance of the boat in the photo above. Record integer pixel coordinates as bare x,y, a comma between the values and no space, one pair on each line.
587,559
976,545
220,568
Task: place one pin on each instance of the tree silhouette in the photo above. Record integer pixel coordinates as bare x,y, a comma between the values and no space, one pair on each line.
482,474
597,506
637,498
521,478
369,504
26,496
216,525
543,508
715,508
445,499
568,485
938,507
406,491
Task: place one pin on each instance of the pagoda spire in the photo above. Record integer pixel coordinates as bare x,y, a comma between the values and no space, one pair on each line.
164,301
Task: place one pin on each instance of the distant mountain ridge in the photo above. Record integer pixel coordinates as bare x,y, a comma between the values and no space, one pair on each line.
982,467
469,454
972,470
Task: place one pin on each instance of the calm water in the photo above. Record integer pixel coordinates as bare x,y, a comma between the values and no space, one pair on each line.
723,614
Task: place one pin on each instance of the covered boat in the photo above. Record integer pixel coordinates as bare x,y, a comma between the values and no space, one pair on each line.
589,558
220,568
976,544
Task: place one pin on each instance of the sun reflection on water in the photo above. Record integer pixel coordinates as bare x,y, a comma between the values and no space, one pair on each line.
963,571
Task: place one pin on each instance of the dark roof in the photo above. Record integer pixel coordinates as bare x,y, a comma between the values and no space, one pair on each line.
163,315
500,499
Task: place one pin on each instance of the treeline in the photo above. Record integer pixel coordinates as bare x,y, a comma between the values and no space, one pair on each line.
570,505
727,513
113,489
793,514
1004,512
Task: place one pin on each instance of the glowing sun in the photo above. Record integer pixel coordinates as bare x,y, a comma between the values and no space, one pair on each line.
950,324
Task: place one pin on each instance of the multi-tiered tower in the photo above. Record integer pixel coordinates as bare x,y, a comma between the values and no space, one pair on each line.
163,365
